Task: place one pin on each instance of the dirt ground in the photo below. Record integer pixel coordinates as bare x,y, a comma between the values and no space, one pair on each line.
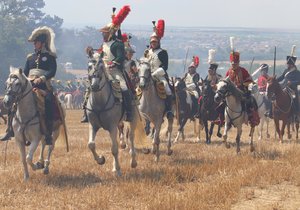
195,176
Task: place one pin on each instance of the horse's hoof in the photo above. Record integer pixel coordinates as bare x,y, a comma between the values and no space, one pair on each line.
252,149
289,136
46,171
268,136
170,152
133,164
123,146
118,173
39,165
101,160
146,151
219,135
227,145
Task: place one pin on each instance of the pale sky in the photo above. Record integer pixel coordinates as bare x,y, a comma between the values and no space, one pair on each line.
190,13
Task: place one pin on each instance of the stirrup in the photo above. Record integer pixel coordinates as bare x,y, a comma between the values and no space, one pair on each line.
170,115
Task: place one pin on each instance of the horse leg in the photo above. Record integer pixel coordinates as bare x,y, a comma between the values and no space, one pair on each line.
121,135
115,151
132,151
156,141
297,127
40,163
170,128
21,146
199,130
219,130
282,130
50,149
238,139
276,121
267,122
226,127
92,146
180,130
206,131
252,149
212,125
31,151
289,129
261,127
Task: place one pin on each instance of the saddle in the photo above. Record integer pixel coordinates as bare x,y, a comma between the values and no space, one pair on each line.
57,110
115,85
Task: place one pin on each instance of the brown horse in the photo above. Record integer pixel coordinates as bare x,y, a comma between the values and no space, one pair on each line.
282,107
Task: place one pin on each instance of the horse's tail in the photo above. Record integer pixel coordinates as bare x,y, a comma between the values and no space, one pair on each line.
141,140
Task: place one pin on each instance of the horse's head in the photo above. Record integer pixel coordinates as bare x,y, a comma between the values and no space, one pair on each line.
16,85
144,73
179,84
206,88
223,88
253,88
272,86
96,73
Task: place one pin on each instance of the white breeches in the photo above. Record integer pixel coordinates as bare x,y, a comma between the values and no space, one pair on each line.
115,74
166,85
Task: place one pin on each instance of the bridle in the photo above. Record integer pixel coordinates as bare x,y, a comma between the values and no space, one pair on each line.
18,94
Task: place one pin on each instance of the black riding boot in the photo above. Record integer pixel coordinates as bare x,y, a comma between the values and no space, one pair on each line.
127,100
9,130
169,112
49,118
195,107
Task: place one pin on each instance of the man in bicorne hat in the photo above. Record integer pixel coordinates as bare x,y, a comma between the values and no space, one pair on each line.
159,61
291,77
241,78
40,67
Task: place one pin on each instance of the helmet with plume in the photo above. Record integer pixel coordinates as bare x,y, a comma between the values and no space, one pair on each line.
158,30
234,55
211,56
195,62
117,20
45,35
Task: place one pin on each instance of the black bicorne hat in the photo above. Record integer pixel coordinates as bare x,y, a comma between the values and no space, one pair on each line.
41,38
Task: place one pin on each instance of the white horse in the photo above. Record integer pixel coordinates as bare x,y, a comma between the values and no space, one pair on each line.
68,101
152,107
234,114
105,112
26,122
260,98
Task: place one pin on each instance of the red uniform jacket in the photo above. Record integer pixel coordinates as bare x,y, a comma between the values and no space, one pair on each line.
239,77
262,83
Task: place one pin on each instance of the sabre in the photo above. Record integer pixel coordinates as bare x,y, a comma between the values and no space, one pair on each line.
186,55
274,67
251,65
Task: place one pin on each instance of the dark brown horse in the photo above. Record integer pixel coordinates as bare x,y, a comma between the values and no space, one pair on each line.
282,107
208,110
3,111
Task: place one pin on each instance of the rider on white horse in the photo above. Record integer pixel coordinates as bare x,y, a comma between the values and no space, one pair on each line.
112,53
42,65
159,61
262,82
241,78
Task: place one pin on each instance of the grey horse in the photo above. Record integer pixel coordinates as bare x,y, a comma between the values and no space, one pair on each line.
26,122
152,107
104,111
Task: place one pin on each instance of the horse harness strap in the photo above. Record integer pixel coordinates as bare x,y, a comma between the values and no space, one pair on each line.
232,119
291,103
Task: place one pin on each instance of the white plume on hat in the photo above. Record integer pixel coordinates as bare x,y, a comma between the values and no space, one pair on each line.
232,43
211,56
50,37
293,50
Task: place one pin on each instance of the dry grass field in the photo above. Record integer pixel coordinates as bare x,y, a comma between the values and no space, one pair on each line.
196,176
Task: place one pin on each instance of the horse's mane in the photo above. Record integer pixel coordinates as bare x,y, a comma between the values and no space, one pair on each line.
235,91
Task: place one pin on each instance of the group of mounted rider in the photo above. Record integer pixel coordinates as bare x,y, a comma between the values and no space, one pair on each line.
116,52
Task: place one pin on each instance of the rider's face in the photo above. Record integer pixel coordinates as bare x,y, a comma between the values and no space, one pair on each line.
154,44
105,36
38,45
235,66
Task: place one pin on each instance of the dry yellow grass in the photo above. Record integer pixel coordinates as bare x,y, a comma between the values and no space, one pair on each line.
196,176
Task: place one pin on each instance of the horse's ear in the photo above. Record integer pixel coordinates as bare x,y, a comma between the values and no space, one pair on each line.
275,76
20,71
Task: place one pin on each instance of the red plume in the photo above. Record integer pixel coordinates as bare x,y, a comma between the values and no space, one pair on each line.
160,28
124,38
196,61
120,17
